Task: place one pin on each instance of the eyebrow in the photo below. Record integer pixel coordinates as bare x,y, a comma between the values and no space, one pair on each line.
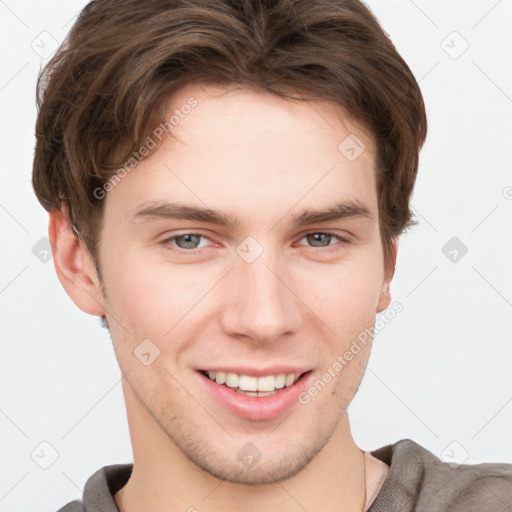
176,210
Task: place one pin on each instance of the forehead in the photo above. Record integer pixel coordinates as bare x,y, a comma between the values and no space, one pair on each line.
236,149
253,108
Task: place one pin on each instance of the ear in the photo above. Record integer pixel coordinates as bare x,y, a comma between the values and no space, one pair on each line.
389,271
74,265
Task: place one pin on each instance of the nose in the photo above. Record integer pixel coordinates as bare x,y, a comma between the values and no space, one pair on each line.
259,301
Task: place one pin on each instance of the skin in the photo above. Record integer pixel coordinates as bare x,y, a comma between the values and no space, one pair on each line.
262,158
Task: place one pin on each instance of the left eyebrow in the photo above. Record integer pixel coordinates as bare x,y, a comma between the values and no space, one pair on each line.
176,210
348,209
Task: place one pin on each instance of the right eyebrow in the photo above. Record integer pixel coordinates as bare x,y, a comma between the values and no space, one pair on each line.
164,210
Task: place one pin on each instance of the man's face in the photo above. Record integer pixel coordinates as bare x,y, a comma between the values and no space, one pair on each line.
262,297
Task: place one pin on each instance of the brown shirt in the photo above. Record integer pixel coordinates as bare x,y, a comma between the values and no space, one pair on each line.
417,481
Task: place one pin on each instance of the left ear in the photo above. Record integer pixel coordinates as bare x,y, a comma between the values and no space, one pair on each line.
385,295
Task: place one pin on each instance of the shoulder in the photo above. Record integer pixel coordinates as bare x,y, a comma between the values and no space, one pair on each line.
100,488
72,506
421,481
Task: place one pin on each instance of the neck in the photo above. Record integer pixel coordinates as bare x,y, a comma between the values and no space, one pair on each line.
163,478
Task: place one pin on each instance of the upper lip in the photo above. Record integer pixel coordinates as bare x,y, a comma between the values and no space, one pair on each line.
258,372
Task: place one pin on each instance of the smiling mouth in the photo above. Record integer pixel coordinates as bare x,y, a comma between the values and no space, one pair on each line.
254,386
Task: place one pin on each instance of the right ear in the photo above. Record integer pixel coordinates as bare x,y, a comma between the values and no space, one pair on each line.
74,265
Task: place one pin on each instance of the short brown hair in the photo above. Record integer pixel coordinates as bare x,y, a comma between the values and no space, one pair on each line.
105,89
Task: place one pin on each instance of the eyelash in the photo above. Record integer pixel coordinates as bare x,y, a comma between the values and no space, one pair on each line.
167,242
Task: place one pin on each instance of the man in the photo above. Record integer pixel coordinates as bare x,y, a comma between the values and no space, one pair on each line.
227,182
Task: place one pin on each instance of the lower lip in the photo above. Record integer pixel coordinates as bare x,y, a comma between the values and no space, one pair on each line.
256,408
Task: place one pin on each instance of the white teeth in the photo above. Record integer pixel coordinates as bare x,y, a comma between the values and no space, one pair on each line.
257,394
290,379
248,383
251,383
266,383
280,381
232,380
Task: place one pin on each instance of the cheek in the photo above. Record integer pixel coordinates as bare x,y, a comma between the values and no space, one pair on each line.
344,294
149,298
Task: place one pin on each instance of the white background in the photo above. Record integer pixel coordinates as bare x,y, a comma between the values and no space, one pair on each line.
439,372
